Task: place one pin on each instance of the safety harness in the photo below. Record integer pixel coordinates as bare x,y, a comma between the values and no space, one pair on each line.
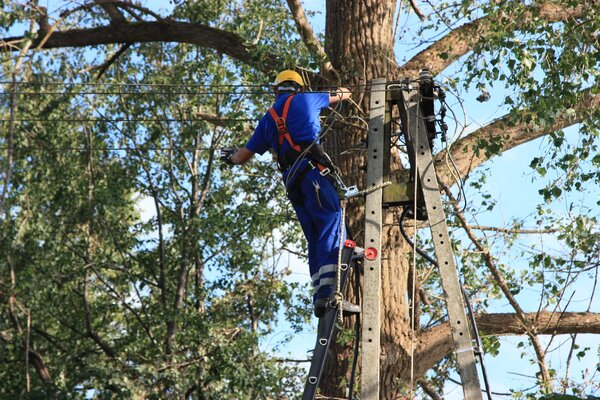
317,156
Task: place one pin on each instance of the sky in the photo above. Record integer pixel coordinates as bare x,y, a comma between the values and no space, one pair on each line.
515,189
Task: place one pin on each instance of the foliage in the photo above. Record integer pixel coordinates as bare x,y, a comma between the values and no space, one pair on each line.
132,303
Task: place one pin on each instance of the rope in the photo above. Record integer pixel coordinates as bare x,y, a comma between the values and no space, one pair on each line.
338,296
372,189
414,272
296,165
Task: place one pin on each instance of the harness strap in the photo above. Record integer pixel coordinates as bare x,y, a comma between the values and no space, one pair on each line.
281,124
284,134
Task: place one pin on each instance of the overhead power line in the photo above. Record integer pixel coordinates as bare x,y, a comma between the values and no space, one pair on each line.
136,149
83,149
162,85
130,120
120,93
159,88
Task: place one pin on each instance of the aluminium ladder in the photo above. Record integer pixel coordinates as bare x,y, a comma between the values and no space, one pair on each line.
327,327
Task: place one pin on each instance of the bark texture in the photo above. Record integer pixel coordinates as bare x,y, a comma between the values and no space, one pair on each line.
359,45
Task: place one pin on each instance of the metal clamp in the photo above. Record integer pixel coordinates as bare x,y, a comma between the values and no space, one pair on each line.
351,191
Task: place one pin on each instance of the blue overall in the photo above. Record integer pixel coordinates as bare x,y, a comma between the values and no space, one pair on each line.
312,195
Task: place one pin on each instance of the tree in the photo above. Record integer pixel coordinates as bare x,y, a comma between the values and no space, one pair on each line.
104,302
544,55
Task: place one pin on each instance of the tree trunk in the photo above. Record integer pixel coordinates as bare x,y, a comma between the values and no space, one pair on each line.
360,46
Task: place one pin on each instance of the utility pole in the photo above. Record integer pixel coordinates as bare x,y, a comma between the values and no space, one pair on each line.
413,102
371,299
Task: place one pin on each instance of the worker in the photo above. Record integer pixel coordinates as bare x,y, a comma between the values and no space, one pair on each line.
291,128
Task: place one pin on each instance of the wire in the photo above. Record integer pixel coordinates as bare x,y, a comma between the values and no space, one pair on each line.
155,92
130,120
244,85
456,173
414,270
164,89
73,148
448,156
42,148
295,167
118,93
146,93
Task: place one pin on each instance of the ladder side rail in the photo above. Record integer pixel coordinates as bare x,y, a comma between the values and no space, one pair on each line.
371,299
326,329
457,317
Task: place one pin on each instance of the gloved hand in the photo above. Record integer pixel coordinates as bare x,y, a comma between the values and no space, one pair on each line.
226,153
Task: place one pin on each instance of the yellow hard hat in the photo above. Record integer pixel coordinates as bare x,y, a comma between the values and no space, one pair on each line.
288,75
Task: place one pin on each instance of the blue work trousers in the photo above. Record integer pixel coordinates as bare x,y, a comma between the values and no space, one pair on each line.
317,206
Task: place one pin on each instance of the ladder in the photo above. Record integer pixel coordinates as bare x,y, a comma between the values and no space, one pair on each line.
327,328
415,120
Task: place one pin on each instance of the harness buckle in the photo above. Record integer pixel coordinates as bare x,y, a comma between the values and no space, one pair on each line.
315,165
280,122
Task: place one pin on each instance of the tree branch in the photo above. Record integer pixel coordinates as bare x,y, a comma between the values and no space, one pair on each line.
468,154
104,67
111,6
220,121
91,333
156,31
460,41
528,326
511,230
430,390
419,14
310,39
435,343
35,357
112,11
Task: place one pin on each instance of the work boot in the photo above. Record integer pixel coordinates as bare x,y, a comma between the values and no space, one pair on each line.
322,304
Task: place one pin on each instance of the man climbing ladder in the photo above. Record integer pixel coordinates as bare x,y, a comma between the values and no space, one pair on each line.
291,128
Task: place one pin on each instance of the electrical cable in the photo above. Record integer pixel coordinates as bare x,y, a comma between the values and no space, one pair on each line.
42,148
164,89
77,149
414,270
233,85
448,156
131,120
146,93
294,168
461,184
